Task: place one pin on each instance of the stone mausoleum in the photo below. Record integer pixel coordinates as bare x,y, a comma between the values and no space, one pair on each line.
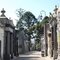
6,37
52,35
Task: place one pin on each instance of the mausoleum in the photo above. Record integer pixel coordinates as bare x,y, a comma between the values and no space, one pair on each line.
6,36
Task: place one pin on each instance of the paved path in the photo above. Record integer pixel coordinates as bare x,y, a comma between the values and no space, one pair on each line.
34,55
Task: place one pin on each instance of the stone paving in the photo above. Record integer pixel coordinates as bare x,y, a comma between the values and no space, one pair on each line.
31,54
34,55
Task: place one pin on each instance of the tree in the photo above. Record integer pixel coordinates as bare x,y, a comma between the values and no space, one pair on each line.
26,21
45,20
20,12
39,29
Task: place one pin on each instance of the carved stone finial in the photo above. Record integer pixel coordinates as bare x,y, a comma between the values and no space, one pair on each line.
56,8
3,11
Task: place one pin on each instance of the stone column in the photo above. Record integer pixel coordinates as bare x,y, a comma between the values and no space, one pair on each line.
8,43
52,42
6,47
45,37
11,45
55,42
58,39
49,43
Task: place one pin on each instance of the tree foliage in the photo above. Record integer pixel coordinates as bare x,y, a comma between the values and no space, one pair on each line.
30,25
39,29
26,21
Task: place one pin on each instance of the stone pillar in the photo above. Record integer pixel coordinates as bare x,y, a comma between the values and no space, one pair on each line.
6,47
11,45
55,42
45,37
8,44
4,51
58,39
3,46
52,42
49,43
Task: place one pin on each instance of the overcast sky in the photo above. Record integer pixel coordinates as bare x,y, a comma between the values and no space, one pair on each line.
34,6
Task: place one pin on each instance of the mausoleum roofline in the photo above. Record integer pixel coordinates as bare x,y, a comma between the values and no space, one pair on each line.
5,20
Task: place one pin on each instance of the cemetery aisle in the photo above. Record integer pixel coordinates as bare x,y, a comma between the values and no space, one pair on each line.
33,55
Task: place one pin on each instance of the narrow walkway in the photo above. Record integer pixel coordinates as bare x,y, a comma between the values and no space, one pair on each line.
36,54
33,55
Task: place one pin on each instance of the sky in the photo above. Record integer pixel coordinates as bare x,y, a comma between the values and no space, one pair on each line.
34,6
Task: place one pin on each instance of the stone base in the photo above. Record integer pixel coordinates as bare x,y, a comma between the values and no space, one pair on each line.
58,57
11,56
6,57
55,55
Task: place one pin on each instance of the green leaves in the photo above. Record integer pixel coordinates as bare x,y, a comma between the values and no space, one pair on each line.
26,21
30,24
